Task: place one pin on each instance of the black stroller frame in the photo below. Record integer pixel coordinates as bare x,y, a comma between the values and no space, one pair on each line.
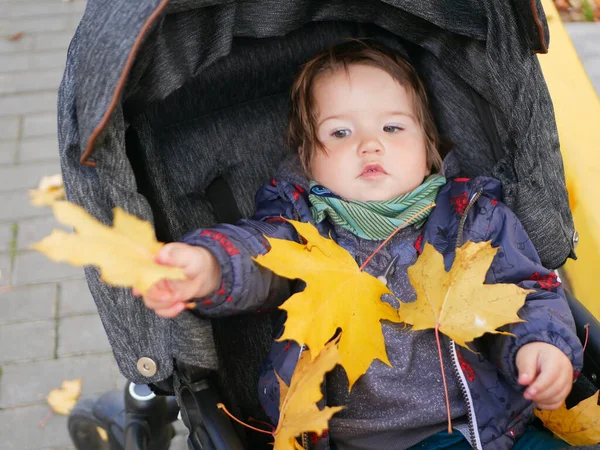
174,110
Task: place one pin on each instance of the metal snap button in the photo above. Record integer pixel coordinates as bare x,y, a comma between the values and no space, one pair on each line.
147,367
575,239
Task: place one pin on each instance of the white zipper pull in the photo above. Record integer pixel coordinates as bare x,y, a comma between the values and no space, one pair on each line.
390,269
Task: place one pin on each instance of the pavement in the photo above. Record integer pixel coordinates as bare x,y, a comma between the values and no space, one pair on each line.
49,329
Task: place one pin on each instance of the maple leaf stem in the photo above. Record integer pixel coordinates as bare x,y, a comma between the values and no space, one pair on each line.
47,417
404,225
224,408
587,335
439,346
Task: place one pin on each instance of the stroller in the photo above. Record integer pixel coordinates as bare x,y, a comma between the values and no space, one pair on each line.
175,111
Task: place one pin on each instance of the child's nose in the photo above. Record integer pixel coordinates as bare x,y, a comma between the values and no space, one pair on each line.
370,145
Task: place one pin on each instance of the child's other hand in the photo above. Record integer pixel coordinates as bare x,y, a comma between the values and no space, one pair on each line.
167,297
547,372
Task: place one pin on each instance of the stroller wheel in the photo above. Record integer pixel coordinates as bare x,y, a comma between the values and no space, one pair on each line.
85,430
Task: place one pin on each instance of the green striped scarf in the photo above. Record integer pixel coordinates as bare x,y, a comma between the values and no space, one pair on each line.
375,220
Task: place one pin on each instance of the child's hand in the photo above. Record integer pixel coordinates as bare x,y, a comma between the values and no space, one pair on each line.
167,297
547,372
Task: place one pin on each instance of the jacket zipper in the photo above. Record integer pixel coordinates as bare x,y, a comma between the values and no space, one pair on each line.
304,435
121,83
472,419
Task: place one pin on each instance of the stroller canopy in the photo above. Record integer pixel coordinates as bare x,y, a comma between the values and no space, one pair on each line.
163,99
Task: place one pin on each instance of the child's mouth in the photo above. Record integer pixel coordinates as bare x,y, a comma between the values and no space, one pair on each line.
372,171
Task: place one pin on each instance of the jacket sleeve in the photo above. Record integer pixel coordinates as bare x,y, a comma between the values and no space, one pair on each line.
546,313
245,285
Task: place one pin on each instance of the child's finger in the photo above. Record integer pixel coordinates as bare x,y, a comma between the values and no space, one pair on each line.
187,289
156,303
174,254
556,392
136,292
527,368
172,311
542,383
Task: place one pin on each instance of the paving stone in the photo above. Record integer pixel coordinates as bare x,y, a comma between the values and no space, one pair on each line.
28,304
38,149
34,230
20,429
28,103
33,267
47,60
26,9
75,298
8,151
9,128
179,442
6,232
37,379
15,206
12,62
14,82
6,272
585,37
81,334
27,341
53,41
39,125
26,176
9,27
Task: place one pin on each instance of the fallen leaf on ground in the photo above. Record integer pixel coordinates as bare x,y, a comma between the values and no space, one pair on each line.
298,408
124,253
579,425
458,302
50,190
63,400
337,295
102,433
16,36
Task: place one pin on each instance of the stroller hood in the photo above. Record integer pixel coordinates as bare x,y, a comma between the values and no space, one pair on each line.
153,88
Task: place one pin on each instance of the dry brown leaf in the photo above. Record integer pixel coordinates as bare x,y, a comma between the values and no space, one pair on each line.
50,190
124,252
16,36
299,412
63,400
457,302
579,425
338,295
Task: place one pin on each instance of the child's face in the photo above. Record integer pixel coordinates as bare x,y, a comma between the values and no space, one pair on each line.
375,148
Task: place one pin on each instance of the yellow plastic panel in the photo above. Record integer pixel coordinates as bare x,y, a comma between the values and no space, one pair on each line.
577,109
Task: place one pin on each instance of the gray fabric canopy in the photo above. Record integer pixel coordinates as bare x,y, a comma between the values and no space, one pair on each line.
160,98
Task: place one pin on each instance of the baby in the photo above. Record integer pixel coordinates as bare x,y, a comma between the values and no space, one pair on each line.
367,161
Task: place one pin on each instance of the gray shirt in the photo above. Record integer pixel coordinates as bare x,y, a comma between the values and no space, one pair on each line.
394,408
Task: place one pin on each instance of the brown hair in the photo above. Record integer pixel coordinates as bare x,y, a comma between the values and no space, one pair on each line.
302,132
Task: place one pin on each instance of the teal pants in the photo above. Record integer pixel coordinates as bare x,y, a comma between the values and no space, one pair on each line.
532,439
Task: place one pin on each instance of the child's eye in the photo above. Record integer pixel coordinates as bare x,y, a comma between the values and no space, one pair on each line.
392,128
341,133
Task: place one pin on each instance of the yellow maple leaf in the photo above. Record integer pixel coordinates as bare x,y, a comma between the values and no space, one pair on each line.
49,190
62,400
298,408
124,253
338,294
579,425
458,302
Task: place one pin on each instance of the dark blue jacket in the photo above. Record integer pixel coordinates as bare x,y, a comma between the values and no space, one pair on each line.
465,210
